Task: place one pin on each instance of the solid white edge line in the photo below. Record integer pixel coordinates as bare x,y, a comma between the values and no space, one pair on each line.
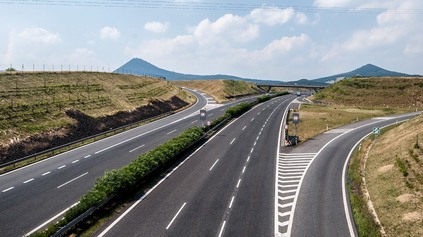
180,209
50,220
213,165
70,181
347,209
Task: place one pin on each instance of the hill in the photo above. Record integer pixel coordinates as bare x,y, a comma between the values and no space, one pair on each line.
137,66
399,92
368,70
69,106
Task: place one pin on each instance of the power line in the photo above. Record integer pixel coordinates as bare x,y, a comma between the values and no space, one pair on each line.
195,5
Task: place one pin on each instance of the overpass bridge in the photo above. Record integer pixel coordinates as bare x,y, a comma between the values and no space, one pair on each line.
267,86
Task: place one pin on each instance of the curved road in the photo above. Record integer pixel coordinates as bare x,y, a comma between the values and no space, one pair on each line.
312,198
32,196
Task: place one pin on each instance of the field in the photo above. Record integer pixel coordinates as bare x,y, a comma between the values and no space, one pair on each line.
36,102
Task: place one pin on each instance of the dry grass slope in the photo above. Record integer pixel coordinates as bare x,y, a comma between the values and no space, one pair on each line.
387,92
35,102
394,175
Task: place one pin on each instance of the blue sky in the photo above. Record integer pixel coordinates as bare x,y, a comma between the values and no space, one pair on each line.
278,40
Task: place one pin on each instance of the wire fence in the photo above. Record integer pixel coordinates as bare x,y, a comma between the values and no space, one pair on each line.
66,68
33,68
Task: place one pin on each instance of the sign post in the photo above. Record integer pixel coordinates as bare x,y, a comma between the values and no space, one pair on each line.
203,116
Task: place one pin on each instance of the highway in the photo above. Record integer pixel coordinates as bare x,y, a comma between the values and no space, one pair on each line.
226,188
34,195
311,194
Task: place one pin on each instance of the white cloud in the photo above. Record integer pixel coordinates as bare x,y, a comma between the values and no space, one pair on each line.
108,32
272,15
38,35
30,44
376,37
229,27
285,45
156,27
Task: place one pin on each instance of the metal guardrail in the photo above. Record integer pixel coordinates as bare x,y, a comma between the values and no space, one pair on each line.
52,150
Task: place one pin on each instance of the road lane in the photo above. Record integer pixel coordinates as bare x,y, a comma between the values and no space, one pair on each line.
320,206
209,183
28,205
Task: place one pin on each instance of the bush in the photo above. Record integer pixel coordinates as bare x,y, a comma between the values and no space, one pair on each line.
121,180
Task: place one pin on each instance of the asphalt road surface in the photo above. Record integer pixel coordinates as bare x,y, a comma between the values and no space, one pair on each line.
311,195
226,188
32,196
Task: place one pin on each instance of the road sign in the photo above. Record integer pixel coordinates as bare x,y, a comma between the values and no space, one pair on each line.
376,130
203,115
296,118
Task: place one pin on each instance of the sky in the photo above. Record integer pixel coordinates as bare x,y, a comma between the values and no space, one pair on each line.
282,40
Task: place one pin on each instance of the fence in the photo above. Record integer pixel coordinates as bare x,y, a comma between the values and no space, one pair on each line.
66,68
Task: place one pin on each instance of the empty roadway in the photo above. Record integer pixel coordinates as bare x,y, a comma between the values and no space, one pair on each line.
33,195
226,188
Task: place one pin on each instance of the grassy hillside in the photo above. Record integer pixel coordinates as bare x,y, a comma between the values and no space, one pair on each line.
221,90
394,176
36,102
375,92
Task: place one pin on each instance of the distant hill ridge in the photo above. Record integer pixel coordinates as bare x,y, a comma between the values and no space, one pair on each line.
137,66
368,70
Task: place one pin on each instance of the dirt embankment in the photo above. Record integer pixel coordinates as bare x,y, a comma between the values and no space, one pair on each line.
85,126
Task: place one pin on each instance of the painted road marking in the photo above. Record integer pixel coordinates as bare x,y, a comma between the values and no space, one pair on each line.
29,180
171,132
61,167
70,181
213,164
290,170
136,148
6,190
180,209
339,130
75,161
244,128
232,141
46,173
88,156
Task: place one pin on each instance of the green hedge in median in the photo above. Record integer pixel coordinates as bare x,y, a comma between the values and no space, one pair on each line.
121,180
